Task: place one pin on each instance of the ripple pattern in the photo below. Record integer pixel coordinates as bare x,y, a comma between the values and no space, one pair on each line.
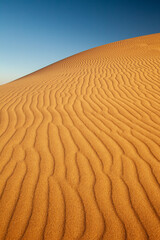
80,147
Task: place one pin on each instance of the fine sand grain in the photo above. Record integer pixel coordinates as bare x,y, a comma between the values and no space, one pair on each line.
80,147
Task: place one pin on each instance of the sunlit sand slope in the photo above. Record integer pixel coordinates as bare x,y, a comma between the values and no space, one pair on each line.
80,147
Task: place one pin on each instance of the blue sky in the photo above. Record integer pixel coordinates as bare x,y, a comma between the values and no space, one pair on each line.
36,33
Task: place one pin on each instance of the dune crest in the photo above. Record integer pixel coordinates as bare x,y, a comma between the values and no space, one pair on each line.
80,147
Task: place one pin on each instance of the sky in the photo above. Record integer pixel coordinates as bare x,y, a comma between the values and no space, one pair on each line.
36,33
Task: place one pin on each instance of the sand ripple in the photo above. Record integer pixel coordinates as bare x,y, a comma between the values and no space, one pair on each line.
80,147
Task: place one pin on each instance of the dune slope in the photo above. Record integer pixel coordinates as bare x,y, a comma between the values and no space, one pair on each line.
80,147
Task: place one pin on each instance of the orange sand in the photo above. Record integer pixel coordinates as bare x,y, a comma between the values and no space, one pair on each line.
80,147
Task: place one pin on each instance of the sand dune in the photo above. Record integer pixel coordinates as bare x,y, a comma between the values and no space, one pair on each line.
80,147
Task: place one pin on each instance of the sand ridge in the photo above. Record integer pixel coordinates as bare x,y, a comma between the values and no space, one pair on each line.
80,147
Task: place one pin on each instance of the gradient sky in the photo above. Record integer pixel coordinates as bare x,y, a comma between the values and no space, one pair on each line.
36,33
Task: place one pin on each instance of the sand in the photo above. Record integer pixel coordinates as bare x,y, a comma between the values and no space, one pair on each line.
80,147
